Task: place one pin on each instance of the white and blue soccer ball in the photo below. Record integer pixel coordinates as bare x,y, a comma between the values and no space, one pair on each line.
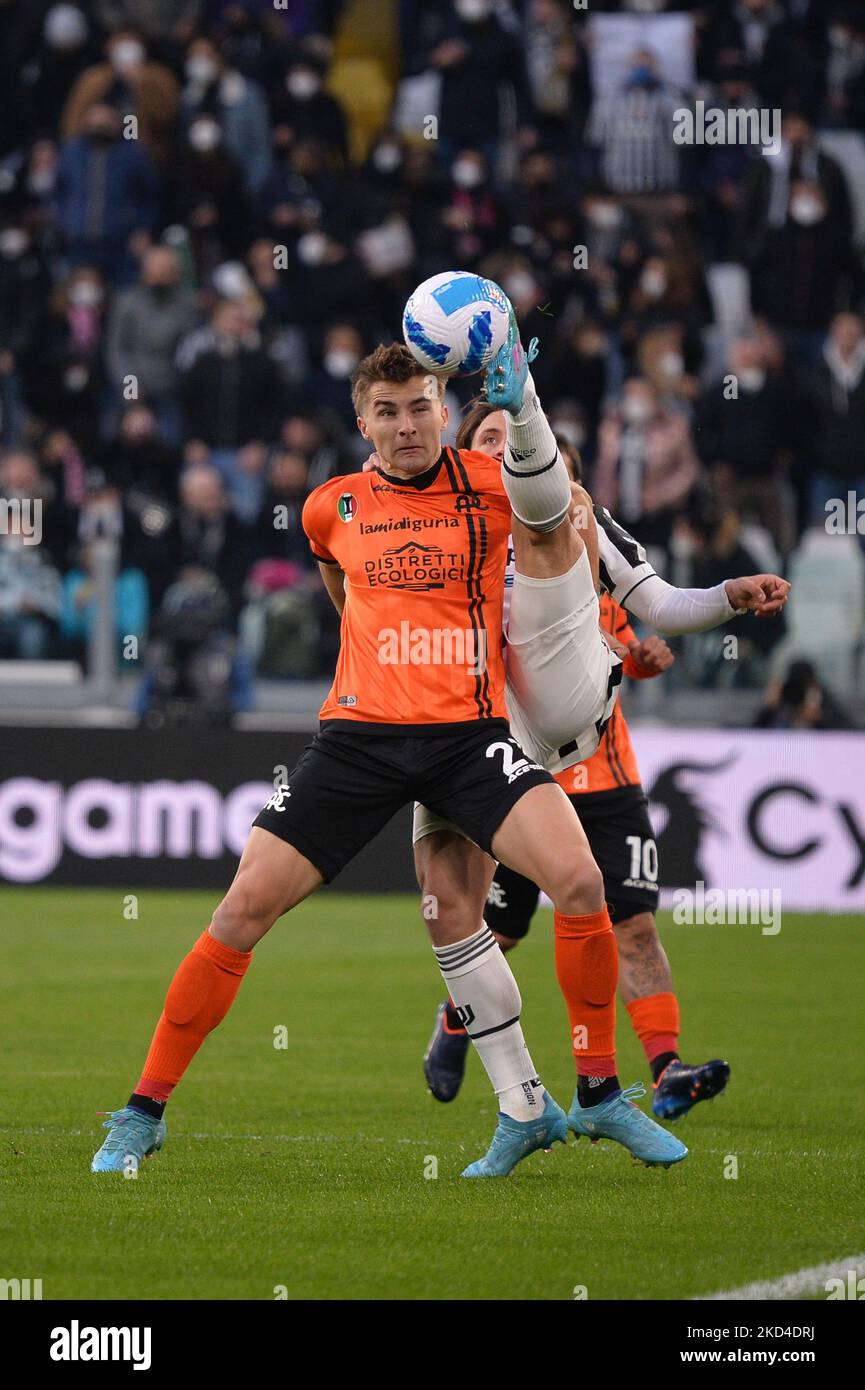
456,322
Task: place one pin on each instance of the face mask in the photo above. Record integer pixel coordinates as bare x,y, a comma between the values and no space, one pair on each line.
201,69
605,215
13,243
126,54
672,364
312,248
65,27
467,174
387,158
520,285
571,433
806,210
751,379
302,84
653,283
472,11
341,362
636,411
85,295
41,182
204,135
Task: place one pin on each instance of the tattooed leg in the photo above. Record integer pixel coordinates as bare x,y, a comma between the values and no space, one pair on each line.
643,965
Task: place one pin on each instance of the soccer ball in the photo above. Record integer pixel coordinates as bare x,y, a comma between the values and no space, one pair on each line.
456,322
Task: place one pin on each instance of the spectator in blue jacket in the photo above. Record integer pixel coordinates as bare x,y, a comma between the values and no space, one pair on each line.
107,189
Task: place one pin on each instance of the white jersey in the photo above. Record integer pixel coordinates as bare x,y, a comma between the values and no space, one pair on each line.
632,581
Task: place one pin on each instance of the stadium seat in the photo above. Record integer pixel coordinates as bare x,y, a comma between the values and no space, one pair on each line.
731,297
366,94
365,70
826,610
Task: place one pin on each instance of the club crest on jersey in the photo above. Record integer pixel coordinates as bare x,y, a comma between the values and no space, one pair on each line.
470,502
347,507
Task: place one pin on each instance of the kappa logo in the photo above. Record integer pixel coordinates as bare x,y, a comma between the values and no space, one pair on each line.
278,800
347,507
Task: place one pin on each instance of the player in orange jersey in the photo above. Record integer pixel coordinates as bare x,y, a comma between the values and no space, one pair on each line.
414,554
605,791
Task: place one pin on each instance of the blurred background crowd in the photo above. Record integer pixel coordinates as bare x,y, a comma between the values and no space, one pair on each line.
209,212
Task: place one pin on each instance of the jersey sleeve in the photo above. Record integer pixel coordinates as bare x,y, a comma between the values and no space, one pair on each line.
629,578
621,560
317,523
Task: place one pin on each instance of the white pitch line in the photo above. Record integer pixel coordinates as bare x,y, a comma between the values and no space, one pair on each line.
606,1147
801,1281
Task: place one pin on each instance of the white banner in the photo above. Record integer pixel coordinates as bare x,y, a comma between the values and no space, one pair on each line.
615,38
753,810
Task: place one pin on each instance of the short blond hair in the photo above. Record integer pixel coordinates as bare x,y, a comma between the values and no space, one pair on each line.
392,363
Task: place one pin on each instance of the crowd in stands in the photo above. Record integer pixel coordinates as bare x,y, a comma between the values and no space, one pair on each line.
210,211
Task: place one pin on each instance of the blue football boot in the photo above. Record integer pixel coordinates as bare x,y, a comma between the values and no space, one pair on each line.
618,1118
505,377
515,1139
679,1087
444,1062
132,1136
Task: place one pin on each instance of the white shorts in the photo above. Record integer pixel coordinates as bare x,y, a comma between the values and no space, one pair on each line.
563,679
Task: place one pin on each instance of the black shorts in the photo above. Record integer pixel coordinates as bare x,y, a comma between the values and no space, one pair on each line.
350,781
622,840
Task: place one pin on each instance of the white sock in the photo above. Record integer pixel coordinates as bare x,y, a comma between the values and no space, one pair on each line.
534,473
483,988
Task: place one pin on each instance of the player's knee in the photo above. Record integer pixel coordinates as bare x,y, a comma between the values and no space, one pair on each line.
243,917
507,943
453,915
579,888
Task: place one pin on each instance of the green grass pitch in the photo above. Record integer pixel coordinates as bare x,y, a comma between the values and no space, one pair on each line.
302,1168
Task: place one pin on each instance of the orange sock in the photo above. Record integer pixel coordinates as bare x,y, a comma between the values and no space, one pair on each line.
656,1023
198,998
587,964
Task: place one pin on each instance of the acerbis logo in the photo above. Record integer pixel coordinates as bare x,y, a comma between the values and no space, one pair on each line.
77,1343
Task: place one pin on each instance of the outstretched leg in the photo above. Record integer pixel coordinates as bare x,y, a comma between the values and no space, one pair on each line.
272,877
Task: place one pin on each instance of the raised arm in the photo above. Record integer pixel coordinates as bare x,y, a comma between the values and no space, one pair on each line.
632,582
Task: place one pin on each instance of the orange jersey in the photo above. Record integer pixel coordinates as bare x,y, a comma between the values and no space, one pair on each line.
615,763
424,559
